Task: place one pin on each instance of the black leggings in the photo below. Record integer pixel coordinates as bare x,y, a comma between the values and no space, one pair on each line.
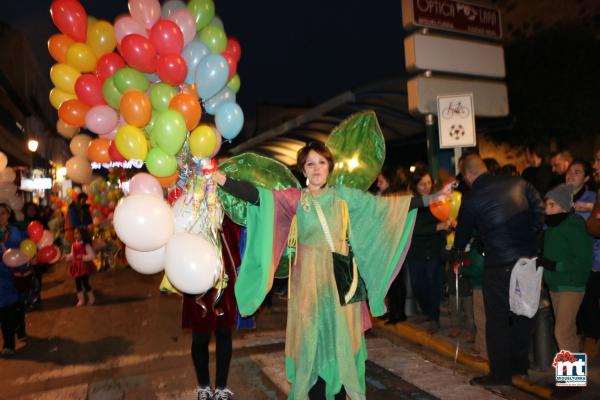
200,356
83,283
317,392
8,321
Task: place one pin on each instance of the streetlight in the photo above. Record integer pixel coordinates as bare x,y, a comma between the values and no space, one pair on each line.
32,145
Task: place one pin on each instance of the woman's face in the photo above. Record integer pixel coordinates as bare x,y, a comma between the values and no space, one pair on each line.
4,215
382,183
424,185
576,176
316,169
552,207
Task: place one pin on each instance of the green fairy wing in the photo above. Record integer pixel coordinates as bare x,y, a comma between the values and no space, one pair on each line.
260,171
358,149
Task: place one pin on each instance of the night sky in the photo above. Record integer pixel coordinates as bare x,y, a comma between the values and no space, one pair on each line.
293,52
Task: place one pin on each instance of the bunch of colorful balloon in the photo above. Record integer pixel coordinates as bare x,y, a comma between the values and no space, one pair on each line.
143,101
39,248
8,190
102,198
447,210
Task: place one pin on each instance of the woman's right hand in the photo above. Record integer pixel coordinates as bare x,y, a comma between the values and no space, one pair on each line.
220,177
443,226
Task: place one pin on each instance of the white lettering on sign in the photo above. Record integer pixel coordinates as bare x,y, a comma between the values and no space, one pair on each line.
120,164
444,8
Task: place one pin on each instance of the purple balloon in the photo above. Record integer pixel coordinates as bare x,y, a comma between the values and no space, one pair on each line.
145,183
101,119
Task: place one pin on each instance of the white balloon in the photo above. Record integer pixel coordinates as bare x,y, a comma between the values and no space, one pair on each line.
143,221
187,218
7,175
146,262
79,145
3,161
16,203
79,169
47,239
192,264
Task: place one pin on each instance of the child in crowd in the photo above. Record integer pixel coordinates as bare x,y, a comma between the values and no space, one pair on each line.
567,258
81,266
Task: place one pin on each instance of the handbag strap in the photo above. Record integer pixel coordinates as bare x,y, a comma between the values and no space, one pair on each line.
324,224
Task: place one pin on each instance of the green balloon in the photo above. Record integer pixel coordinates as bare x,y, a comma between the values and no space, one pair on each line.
234,83
150,125
160,163
203,12
169,131
111,93
161,95
131,79
214,38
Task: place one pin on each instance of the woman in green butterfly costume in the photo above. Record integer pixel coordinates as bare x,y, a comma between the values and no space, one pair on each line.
325,346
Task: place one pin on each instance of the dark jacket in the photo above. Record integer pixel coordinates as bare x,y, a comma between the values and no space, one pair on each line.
508,214
542,178
425,241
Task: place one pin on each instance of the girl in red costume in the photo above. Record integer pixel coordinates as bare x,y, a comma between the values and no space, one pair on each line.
81,266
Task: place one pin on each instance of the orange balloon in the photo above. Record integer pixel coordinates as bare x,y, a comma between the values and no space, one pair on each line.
98,151
58,44
189,107
167,180
440,209
136,108
73,112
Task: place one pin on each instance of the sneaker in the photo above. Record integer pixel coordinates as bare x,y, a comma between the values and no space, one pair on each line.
205,393
223,394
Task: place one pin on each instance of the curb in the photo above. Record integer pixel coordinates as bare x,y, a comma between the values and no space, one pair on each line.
417,335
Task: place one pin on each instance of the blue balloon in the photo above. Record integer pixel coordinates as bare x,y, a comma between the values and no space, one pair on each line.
224,96
216,21
170,6
211,75
152,78
192,53
229,120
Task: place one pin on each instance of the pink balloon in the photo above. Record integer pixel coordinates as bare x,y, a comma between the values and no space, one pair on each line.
126,25
14,258
145,183
186,22
46,240
101,119
110,135
145,11
166,37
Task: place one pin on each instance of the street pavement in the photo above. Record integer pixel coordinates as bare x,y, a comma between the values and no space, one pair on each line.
129,345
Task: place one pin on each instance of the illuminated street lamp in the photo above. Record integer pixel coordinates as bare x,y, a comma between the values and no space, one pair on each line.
32,145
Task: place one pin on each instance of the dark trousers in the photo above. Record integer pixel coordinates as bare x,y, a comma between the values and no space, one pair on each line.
588,318
8,320
200,356
397,296
507,334
426,280
20,319
317,392
83,283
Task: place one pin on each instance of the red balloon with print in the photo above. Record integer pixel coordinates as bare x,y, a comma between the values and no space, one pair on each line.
88,88
108,64
166,37
171,69
70,18
35,230
139,53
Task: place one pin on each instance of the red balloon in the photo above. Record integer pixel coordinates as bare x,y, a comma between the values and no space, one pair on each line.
89,90
233,47
47,254
113,152
166,37
70,18
108,64
171,69
139,53
35,230
230,58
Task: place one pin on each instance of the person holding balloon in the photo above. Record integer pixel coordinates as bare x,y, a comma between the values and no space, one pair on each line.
325,346
81,266
10,237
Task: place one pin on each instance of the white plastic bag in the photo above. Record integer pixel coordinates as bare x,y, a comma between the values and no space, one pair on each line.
525,287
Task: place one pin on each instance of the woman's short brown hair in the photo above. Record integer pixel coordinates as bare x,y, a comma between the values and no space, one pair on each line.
318,148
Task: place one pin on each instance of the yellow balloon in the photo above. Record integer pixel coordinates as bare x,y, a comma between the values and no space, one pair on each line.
57,97
455,200
203,141
81,57
64,76
28,247
101,38
131,142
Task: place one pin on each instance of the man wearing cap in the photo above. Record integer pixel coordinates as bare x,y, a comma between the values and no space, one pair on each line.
508,215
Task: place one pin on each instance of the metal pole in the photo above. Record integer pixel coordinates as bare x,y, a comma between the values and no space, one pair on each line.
457,154
431,133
